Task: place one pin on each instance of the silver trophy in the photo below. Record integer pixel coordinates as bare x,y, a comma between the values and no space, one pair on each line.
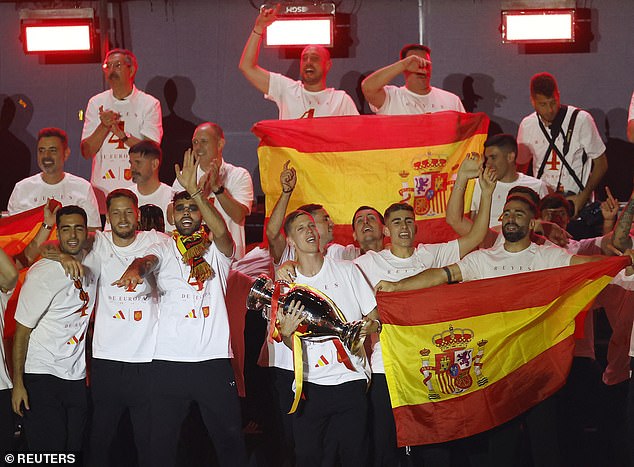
321,316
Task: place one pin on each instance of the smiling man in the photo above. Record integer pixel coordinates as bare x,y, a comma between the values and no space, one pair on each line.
49,363
306,98
418,96
53,182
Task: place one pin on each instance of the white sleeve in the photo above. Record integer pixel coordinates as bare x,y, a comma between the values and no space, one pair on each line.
524,150
390,92
589,135
469,266
89,204
349,108
443,253
14,199
277,85
241,188
152,125
35,297
91,119
631,113
364,294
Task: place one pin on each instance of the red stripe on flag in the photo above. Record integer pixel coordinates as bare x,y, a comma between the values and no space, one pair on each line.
486,296
474,413
358,133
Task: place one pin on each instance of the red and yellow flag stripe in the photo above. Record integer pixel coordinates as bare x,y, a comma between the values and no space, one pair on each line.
462,359
346,162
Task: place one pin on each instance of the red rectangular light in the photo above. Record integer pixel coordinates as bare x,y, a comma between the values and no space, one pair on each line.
538,26
56,37
300,31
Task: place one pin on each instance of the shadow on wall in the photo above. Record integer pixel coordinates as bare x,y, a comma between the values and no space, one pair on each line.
177,95
612,127
15,143
479,95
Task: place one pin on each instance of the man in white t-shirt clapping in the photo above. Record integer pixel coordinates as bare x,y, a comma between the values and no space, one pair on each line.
49,362
418,96
306,98
193,350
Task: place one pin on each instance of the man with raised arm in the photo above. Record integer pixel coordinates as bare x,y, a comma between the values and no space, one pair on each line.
402,259
49,361
193,351
418,96
306,98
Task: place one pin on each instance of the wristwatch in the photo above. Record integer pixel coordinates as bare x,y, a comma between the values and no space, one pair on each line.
220,190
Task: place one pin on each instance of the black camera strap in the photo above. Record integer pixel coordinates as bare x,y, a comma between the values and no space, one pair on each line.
556,131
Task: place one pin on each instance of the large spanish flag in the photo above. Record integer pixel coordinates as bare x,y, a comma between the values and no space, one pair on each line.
461,359
347,162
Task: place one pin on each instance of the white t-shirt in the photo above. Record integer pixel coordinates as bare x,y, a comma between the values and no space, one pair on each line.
279,355
33,192
501,191
125,322
50,304
402,101
5,380
385,266
532,144
239,185
193,324
162,197
497,262
293,101
344,284
141,117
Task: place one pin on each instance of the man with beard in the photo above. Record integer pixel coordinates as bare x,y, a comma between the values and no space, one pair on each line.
145,161
49,366
53,182
295,99
402,259
125,330
516,255
116,120
333,408
230,187
417,96
192,356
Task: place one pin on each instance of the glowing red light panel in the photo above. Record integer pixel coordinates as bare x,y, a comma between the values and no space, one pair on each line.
300,31
534,26
40,39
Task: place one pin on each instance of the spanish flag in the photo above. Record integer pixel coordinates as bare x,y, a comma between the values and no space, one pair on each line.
16,232
346,162
461,359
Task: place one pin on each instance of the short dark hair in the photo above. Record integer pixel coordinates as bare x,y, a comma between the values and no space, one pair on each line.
528,203
151,218
310,208
505,142
556,201
215,128
544,84
68,210
532,194
148,148
51,132
290,217
130,58
363,208
397,207
122,193
181,195
410,47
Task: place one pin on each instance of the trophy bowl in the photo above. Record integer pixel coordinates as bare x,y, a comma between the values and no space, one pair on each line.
321,316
